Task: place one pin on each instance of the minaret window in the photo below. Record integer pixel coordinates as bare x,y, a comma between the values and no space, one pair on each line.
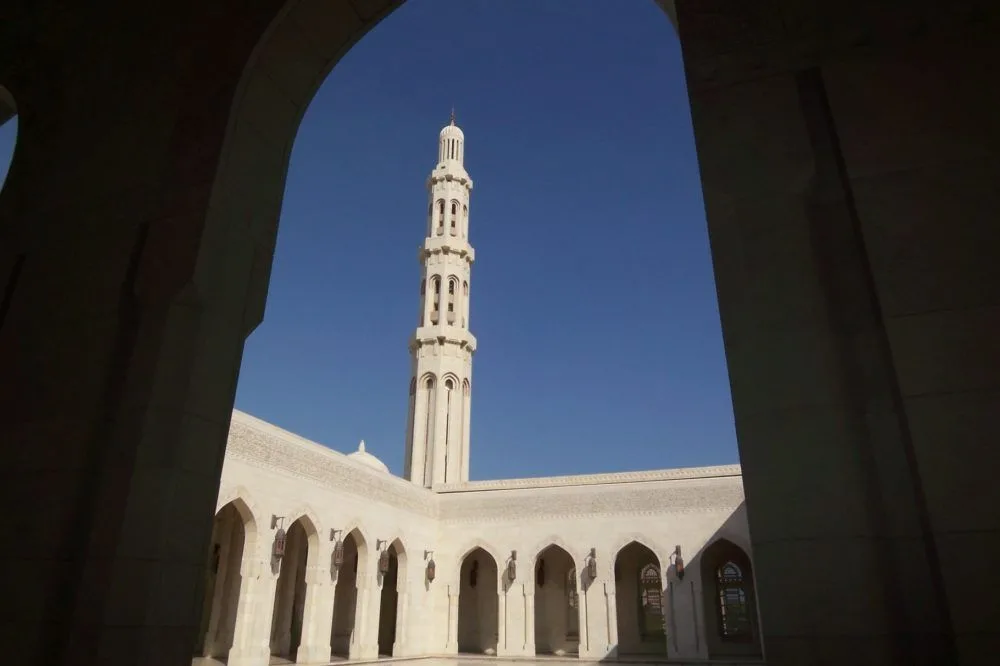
440,220
452,288
454,218
436,303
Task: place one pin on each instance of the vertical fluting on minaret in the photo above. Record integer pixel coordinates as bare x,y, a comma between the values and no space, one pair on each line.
441,349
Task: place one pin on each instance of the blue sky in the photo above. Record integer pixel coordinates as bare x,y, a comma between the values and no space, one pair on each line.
593,301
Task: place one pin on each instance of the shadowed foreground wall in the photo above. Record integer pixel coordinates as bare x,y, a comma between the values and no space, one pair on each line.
849,161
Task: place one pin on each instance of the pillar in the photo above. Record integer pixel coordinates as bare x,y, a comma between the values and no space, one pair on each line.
438,451
529,619
836,149
364,642
451,645
502,623
317,616
683,632
418,436
252,632
611,607
401,646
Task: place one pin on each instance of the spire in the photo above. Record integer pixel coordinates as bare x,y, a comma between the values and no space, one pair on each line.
452,116
361,447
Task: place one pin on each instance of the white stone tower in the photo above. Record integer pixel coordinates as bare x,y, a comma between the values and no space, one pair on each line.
437,428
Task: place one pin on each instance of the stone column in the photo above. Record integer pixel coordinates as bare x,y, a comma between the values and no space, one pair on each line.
456,414
419,434
439,449
611,606
252,631
451,646
502,623
683,635
317,617
364,641
401,646
529,620
583,619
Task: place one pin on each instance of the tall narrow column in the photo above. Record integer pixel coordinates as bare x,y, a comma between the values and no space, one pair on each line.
441,349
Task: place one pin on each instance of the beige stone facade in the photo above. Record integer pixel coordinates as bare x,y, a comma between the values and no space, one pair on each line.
305,607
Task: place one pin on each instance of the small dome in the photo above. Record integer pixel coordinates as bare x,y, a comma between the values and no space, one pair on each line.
452,132
367,459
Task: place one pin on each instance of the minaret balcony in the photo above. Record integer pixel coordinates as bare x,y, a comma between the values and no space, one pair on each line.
447,245
429,335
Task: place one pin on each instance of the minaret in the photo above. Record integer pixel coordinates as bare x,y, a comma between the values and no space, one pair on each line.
437,428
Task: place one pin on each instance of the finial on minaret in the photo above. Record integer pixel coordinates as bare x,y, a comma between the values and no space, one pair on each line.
361,446
452,115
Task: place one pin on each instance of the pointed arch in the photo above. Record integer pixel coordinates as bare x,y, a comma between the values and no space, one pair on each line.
554,577
729,603
428,380
478,600
625,540
558,542
456,383
639,584
403,557
233,544
473,544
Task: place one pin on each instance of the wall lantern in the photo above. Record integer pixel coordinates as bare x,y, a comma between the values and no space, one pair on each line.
678,563
338,548
383,556
278,548
431,567
512,566
592,564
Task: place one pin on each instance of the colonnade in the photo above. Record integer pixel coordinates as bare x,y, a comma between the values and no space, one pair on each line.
354,600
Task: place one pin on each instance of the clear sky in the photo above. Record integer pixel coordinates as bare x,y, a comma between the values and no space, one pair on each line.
592,294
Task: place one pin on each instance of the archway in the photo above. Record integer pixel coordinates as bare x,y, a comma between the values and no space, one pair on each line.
639,590
729,601
478,604
393,583
557,603
290,593
345,597
233,533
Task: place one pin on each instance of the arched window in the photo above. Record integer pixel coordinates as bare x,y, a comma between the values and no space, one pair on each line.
436,296
428,382
449,384
733,611
413,386
440,220
650,603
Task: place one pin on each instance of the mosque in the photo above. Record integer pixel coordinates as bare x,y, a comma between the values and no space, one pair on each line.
317,556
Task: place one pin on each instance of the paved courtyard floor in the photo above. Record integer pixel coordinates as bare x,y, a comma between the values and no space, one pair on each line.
476,660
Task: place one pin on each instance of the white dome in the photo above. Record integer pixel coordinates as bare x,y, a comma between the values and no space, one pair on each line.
367,459
452,132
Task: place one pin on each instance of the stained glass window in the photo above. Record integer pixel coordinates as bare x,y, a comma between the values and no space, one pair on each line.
650,603
733,607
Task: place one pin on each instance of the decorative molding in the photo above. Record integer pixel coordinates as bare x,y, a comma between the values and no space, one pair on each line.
649,493
264,445
655,499
613,478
